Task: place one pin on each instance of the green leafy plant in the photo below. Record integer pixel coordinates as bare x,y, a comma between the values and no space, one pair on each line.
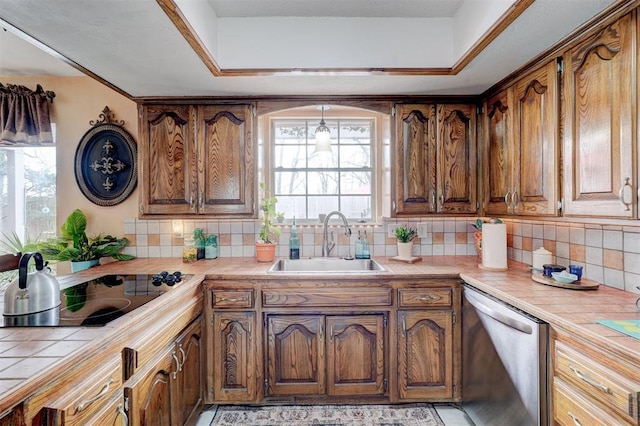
404,234
268,232
480,221
74,245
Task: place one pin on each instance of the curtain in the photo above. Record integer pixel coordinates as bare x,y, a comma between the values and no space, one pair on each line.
24,115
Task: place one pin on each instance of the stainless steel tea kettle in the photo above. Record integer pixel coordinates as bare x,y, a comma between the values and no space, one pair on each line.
33,293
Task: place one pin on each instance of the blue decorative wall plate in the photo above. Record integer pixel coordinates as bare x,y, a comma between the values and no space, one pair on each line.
106,162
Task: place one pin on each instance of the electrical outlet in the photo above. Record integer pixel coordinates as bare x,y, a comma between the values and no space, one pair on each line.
423,230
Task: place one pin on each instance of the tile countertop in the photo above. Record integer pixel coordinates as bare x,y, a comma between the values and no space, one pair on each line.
27,354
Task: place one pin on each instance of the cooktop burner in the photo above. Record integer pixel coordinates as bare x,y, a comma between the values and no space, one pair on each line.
99,301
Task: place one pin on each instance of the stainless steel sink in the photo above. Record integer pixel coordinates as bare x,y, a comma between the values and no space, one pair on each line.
325,265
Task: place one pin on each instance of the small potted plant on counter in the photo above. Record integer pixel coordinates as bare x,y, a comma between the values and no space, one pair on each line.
266,245
81,250
405,235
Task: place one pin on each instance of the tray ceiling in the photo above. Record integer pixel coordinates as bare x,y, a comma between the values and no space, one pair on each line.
147,48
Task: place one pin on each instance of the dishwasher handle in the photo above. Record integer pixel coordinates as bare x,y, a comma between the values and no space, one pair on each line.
498,316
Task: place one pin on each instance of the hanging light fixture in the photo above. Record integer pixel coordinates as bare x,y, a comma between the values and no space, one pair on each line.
322,134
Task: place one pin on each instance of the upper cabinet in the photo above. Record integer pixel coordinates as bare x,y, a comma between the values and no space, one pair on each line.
521,155
197,160
435,159
598,146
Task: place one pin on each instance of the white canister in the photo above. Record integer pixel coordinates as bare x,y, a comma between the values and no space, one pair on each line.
541,257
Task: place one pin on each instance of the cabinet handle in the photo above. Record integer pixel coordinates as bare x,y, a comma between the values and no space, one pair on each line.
201,201
515,199
506,198
621,194
331,335
393,206
234,299
191,205
404,326
433,202
178,367
184,356
427,298
442,201
589,380
101,394
576,422
125,419
321,331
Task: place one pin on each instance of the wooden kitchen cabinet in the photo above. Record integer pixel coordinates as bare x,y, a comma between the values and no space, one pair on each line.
13,417
427,356
599,121
233,351
591,385
168,388
197,160
521,155
347,359
435,156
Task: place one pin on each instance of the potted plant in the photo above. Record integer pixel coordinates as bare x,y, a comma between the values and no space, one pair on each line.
266,245
405,235
81,250
478,232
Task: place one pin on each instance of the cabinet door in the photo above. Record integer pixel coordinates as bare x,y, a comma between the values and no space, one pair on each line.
226,166
415,160
456,159
425,354
167,160
13,417
598,125
536,174
295,355
498,153
149,394
234,356
189,380
355,355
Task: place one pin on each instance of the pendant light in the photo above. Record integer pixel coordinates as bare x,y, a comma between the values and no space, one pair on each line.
322,134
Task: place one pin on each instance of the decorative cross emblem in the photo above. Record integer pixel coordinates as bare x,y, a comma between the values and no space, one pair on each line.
108,165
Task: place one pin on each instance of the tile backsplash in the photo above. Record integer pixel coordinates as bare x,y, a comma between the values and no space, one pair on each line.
610,254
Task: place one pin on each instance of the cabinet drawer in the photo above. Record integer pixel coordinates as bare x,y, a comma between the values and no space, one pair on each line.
597,381
232,298
424,297
84,398
326,297
570,408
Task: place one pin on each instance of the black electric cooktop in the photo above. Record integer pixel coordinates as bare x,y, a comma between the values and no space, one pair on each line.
100,301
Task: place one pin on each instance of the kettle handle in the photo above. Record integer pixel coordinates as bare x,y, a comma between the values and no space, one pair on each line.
22,268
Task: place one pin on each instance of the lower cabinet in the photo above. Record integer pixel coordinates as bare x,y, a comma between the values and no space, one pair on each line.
12,417
168,389
333,355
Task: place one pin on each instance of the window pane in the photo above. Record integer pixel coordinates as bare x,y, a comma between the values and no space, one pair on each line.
355,183
290,156
356,206
292,206
352,156
291,133
289,183
323,183
319,205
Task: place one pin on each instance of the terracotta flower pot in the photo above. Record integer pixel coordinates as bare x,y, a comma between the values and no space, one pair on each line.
265,252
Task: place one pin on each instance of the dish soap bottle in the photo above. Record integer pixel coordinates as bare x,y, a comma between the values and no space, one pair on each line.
294,242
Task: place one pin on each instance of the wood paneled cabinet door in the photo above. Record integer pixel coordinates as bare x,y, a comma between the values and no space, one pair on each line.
435,159
521,167
425,354
332,355
167,159
234,357
415,160
599,139
148,394
189,381
197,159
226,165
456,159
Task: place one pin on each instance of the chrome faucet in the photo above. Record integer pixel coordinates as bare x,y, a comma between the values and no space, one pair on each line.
327,245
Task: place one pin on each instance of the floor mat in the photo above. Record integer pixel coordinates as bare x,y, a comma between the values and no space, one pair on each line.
327,415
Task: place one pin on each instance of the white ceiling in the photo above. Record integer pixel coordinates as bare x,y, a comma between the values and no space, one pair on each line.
133,45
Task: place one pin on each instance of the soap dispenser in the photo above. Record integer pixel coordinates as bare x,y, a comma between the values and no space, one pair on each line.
294,242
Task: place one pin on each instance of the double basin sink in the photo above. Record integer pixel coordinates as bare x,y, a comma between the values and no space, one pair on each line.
325,265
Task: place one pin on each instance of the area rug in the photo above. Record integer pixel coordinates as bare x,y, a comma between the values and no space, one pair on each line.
327,415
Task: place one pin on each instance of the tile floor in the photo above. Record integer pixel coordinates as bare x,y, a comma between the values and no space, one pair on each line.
450,415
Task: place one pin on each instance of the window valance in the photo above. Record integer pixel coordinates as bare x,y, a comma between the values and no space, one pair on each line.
24,115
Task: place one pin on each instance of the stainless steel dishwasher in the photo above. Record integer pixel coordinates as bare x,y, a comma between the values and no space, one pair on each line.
505,359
